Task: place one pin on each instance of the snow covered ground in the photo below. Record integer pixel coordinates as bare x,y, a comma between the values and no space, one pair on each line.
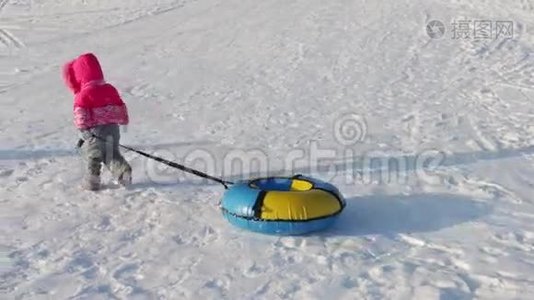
431,140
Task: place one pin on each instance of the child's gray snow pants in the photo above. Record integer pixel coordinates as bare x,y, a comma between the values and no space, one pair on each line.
104,149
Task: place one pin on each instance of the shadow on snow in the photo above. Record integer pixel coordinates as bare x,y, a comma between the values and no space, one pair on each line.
393,214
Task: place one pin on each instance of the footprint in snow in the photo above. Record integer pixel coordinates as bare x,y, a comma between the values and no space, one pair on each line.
126,272
80,261
105,224
6,173
254,271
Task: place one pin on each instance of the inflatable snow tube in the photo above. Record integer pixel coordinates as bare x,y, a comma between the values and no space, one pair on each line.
282,205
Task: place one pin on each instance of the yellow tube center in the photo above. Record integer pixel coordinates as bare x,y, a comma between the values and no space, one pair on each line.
301,185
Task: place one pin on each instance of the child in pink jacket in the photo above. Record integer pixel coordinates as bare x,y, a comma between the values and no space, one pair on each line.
98,112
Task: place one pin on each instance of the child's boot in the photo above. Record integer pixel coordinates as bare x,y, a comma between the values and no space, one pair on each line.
125,179
92,183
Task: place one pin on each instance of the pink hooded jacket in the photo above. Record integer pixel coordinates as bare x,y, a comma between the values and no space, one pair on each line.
95,102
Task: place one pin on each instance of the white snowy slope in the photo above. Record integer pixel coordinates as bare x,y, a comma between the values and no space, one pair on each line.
210,79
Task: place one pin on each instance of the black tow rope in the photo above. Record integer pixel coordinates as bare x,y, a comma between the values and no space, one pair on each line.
170,163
